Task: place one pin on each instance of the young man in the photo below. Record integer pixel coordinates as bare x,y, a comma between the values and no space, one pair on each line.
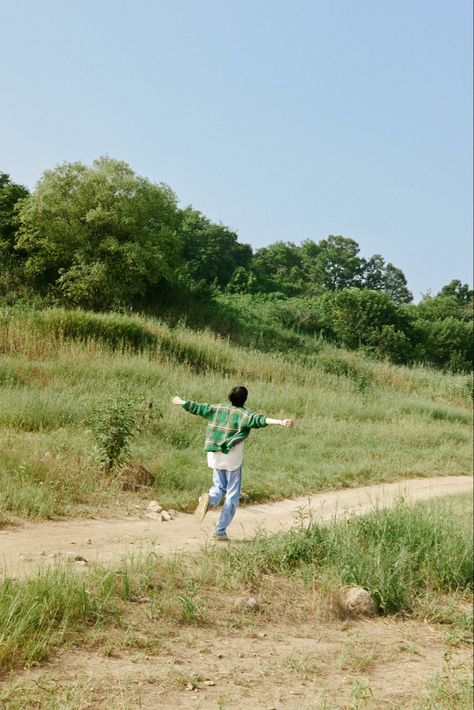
228,427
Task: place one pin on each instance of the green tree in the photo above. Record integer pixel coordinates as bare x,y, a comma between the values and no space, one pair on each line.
242,281
340,263
447,343
99,236
211,251
279,267
379,276
358,318
373,272
462,294
443,305
10,195
395,284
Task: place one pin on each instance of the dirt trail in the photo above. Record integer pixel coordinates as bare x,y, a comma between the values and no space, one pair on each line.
23,549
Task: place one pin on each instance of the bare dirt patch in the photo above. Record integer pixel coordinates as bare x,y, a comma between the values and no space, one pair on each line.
370,664
26,547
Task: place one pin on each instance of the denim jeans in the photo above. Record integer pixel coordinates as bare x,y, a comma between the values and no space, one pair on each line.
225,483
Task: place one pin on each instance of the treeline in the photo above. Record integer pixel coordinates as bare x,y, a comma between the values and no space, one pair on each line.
100,237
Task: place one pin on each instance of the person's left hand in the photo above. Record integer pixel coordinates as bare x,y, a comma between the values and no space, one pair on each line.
177,400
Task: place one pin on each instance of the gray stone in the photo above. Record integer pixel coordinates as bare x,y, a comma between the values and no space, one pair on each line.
356,601
246,604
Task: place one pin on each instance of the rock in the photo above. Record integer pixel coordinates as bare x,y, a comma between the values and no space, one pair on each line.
165,515
356,601
155,506
246,604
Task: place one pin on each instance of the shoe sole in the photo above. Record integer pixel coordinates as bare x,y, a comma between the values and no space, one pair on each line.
202,508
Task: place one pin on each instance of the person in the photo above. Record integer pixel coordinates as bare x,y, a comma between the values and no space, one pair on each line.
228,427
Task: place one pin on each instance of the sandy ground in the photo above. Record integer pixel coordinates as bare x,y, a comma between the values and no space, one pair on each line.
382,663
26,547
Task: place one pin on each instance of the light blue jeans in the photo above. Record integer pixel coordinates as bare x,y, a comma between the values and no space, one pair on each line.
228,484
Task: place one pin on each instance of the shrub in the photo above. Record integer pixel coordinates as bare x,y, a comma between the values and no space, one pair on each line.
113,425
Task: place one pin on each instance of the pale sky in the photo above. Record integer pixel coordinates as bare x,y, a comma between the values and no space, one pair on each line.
283,119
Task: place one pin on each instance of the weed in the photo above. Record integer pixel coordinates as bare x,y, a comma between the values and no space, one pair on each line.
113,425
451,688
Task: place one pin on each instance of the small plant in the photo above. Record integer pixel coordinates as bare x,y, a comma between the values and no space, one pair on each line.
191,611
114,425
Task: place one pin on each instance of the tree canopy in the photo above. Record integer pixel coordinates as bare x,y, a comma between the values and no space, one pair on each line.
98,236
102,237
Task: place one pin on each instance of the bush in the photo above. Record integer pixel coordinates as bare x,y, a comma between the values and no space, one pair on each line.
113,426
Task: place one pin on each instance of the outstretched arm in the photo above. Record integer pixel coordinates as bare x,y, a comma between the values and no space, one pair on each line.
281,422
202,410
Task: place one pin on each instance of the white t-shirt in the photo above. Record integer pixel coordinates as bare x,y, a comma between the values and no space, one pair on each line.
226,462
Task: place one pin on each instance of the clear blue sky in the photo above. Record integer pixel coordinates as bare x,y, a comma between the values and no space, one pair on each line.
283,119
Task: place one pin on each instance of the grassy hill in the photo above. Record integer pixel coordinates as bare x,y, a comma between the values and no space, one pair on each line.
357,420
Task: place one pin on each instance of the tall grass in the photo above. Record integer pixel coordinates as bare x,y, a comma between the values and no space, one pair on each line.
397,554
357,420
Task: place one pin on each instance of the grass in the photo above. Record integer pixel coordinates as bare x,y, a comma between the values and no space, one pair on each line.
398,554
402,556
358,420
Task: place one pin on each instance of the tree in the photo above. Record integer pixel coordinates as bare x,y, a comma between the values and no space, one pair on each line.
10,195
373,273
447,343
443,305
242,281
340,263
279,267
211,251
99,236
359,317
460,292
395,284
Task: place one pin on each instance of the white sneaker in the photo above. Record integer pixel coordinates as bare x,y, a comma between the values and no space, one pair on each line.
202,508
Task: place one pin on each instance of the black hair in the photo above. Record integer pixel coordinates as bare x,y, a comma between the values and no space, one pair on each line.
238,396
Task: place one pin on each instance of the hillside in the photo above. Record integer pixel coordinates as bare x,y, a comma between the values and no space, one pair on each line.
357,420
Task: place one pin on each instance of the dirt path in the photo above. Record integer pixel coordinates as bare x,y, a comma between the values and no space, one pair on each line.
23,549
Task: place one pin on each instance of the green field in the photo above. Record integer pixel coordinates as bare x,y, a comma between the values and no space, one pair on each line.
357,420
